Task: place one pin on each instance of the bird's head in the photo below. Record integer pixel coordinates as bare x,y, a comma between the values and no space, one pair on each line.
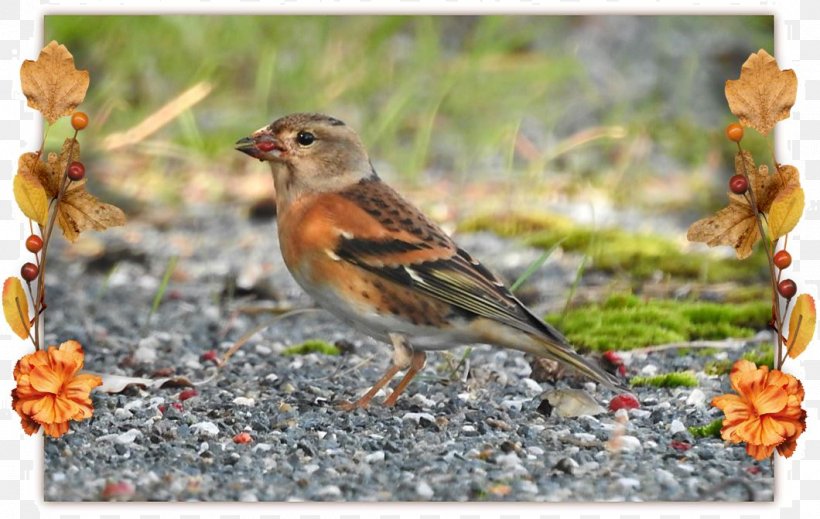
309,153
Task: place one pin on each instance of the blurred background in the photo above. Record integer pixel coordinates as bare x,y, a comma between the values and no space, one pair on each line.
605,132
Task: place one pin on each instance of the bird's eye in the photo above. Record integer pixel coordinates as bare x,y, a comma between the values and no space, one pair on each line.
305,138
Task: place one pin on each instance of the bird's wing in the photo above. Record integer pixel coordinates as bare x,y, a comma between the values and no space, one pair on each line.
410,250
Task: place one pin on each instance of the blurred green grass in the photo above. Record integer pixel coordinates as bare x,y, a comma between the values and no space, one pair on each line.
455,96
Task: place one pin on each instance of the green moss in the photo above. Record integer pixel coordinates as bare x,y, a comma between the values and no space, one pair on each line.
677,379
616,250
718,367
710,430
762,356
312,346
625,322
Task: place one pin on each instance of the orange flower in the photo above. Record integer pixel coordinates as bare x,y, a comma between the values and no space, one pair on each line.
766,412
49,391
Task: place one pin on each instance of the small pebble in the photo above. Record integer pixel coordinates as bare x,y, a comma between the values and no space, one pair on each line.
676,427
205,429
423,490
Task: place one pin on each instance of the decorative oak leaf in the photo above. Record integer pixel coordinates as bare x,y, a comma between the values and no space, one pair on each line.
804,313
15,307
763,94
52,84
736,224
78,210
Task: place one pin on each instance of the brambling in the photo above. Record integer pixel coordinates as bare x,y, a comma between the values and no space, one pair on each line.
371,258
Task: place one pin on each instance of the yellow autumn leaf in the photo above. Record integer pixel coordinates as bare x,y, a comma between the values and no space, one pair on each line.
31,196
763,94
16,316
52,84
786,210
805,313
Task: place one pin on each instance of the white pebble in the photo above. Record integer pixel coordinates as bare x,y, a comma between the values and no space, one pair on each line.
134,404
590,386
330,491
263,350
531,387
128,437
374,457
535,451
241,400
203,447
676,426
205,429
424,491
264,447
629,483
422,401
528,487
510,459
123,414
630,443
310,469
468,428
696,398
416,417
248,497
666,478
649,370
639,413
272,377
585,437
146,351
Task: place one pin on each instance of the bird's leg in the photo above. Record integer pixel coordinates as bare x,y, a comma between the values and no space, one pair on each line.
416,365
402,358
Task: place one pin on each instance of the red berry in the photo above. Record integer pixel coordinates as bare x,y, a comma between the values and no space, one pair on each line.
787,288
624,401
738,184
265,146
209,356
29,271
734,132
76,171
34,243
680,446
188,393
242,437
79,120
782,259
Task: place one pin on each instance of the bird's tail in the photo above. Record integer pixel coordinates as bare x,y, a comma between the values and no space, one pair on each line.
544,347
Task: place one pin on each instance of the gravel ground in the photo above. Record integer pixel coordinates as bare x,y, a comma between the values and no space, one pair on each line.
482,434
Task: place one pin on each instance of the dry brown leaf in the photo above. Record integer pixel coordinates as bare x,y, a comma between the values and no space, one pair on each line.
52,84
78,211
763,94
735,224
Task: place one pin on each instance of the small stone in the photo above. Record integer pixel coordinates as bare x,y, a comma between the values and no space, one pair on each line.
422,401
649,370
134,404
205,429
146,351
696,398
263,350
128,437
424,491
285,407
535,451
241,400
248,497
567,465
514,404
630,443
666,478
629,483
568,403
417,417
527,487
531,387
585,437
123,414
639,413
676,427
374,457
330,491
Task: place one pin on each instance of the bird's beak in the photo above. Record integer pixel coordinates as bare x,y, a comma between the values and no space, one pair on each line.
261,145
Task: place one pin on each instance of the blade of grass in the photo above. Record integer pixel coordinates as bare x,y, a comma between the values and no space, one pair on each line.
163,286
535,265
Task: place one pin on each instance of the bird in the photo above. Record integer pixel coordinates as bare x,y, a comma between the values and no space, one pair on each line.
371,258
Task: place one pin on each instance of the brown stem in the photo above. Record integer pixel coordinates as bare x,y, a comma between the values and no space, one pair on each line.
24,319
52,217
792,337
769,257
